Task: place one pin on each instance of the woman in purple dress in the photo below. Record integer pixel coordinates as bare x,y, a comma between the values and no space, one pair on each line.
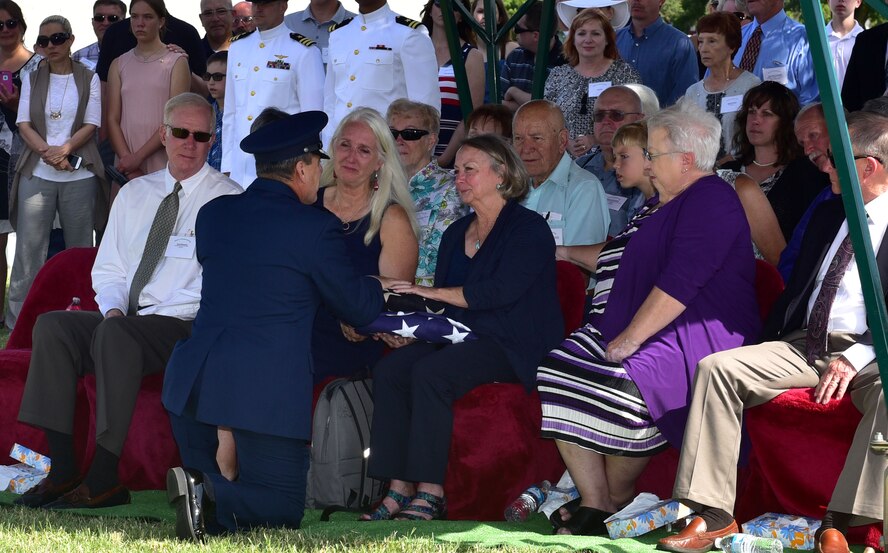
617,390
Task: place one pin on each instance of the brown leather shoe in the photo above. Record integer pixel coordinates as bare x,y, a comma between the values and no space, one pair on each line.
831,541
694,538
79,498
46,492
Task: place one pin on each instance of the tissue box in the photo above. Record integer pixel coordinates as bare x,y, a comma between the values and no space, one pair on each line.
20,478
794,532
33,459
660,514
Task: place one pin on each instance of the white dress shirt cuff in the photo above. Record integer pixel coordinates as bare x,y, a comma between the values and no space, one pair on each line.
109,301
860,355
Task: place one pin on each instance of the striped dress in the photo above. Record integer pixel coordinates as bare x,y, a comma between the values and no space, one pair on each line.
587,400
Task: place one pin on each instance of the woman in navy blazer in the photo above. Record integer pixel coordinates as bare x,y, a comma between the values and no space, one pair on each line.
496,270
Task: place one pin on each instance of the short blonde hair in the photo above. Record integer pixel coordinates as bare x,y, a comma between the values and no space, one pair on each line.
632,134
402,107
505,162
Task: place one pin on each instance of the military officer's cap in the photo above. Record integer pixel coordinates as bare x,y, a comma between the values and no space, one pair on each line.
287,138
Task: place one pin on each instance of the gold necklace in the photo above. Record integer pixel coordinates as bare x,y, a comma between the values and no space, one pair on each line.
55,115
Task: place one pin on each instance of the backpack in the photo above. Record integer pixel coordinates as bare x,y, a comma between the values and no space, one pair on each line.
340,437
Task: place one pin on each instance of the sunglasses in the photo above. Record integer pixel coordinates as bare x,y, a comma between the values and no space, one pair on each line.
57,39
741,16
613,114
214,76
100,18
832,160
9,23
199,136
409,135
519,29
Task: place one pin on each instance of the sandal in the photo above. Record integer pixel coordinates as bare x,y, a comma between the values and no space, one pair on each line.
436,509
571,507
587,521
382,512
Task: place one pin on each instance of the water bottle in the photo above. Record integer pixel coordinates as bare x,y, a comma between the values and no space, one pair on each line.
75,304
528,502
745,543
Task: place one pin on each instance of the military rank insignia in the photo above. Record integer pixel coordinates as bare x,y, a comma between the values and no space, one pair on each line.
278,64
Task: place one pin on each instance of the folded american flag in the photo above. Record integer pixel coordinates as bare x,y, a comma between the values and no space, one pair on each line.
428,327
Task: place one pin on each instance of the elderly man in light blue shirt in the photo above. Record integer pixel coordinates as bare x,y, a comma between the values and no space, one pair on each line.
570,198
784,56
315,21
663,55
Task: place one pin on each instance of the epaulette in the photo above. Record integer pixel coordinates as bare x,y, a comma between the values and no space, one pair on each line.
242,35
342,23
302,39
412,23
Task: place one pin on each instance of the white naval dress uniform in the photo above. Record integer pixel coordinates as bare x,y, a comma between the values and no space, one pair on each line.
375,59
273,68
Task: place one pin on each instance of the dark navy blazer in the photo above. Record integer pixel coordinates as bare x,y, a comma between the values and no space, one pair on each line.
268,263
511,286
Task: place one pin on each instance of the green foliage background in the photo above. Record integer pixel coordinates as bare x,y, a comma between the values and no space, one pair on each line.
685,13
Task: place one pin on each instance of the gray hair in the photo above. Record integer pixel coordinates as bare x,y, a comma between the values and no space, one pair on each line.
282,169
392,179
869,134
226,2
58,20
192,100
505,162
814,108
627,93
650,104
876,105
689,128
402,107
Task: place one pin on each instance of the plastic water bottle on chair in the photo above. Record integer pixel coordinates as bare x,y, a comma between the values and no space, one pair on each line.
528,502
745,543
75,304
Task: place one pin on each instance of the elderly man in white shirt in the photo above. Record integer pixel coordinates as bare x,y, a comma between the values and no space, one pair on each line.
147,281
842,31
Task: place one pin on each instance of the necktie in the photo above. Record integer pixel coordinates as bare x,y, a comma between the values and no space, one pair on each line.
751,53
815,338
155,245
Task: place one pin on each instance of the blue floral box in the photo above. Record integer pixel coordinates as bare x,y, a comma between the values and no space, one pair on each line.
793,532
633,524
31,469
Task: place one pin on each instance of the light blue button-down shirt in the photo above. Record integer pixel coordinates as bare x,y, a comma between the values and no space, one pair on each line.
784,45
573,203
664,56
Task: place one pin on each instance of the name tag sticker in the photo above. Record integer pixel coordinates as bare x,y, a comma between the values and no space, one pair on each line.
776,74
595,89
558,234
553,216
181,247
730,104
615,202
422,217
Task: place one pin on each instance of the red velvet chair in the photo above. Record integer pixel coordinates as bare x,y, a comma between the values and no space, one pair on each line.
63,277
496,450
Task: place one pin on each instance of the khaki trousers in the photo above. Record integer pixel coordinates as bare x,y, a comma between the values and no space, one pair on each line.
728,382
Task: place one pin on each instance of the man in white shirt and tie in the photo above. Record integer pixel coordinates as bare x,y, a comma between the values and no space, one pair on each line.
147,282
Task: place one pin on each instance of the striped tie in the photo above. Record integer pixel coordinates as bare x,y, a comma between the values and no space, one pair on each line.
751,53
155,245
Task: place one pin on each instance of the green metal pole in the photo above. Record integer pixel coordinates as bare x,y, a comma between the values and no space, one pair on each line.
879,7
459,67
547,27
851,195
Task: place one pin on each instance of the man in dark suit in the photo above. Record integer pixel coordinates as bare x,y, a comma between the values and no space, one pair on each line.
268,263
865,78
816,336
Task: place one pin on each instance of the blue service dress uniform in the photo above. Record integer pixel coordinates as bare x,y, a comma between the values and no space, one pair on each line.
375,59
273,68
247,364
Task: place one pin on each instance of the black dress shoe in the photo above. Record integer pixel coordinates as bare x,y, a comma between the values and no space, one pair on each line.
186,493
81,498
46,492
587,521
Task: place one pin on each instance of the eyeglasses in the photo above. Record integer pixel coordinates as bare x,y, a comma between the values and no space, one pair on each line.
214,76
832,160
221,12
741,16
9,23
100,18
615,115
199,136
519,29
409,135
651,157
244,19
57,39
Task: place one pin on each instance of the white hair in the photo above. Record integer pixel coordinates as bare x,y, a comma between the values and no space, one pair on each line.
690,128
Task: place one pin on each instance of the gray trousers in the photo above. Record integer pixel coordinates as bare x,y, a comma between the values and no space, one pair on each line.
38,201
118,350
728,382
